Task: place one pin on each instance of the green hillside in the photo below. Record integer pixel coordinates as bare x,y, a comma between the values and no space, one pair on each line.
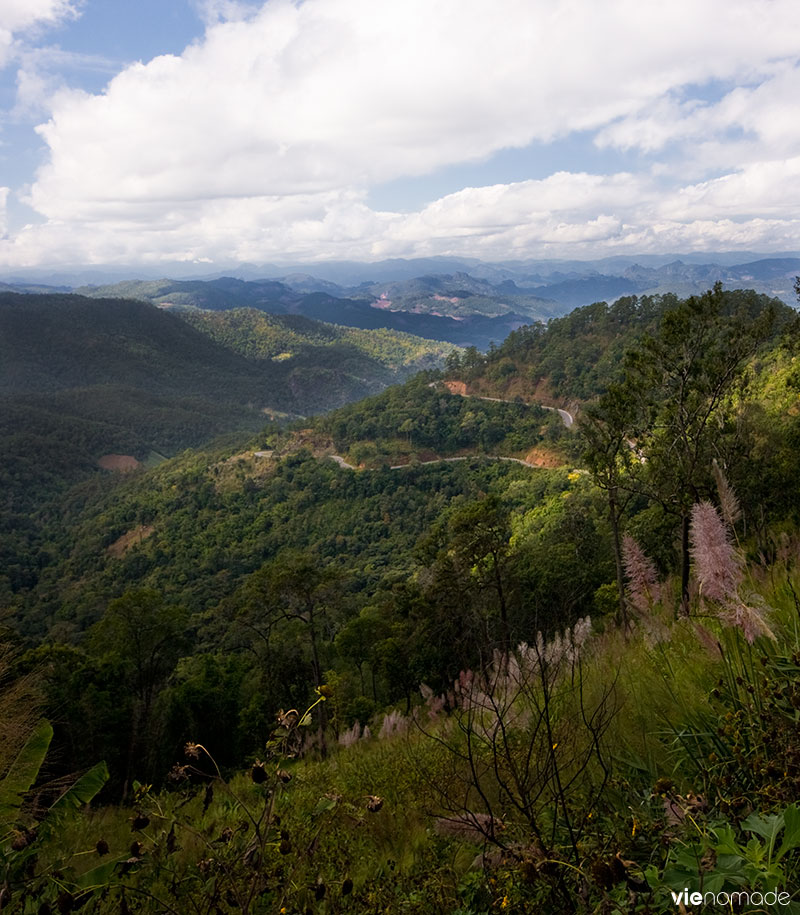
258,335
85,380
573,358
564,686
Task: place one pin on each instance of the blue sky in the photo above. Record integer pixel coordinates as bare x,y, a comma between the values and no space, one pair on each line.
217,132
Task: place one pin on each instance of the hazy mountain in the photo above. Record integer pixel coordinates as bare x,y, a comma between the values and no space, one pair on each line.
279,298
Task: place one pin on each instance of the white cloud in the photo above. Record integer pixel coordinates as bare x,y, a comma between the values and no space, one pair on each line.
746,124
18,16
261,139
41,76
565,215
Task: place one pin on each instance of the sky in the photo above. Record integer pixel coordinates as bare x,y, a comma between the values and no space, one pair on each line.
219,132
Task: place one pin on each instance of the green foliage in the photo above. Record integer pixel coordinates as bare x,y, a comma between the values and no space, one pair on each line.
429,421
22,773
258,335
21,837
726,858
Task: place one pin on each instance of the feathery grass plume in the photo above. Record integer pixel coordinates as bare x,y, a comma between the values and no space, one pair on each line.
393,723
749,617
717,565
435,704
640,570
708,640
728,502
350,736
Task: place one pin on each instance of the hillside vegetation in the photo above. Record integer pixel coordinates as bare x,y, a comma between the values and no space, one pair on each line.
464,686
261,336
118,383
574,358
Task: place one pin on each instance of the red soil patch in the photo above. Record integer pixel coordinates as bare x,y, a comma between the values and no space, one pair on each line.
541,457
124,463
456,387
121,546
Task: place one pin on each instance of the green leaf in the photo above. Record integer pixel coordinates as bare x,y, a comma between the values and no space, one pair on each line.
767,827
100,875
324,804
23,771
83,790
791,830
726,843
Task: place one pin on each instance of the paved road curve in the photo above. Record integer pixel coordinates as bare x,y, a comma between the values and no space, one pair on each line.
448,460
567,417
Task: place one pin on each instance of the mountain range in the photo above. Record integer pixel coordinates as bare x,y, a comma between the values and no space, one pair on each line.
463,301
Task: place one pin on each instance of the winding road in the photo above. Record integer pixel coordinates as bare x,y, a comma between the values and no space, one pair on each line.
567,418
447,460
565,415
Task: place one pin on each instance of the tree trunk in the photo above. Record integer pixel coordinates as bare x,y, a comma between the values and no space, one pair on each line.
685,565
614,516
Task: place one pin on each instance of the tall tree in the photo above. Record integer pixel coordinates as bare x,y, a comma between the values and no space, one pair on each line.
680,390
147,636
608,454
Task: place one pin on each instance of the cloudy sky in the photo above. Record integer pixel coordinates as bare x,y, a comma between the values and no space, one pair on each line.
214,132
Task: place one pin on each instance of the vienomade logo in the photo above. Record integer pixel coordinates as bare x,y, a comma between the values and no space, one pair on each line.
735,900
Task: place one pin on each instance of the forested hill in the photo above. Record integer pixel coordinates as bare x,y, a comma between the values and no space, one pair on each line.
121,382
60,342
52,342
259,335
572,359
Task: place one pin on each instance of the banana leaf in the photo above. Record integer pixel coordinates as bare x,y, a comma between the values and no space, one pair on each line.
23,772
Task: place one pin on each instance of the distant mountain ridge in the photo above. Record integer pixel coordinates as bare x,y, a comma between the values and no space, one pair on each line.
279,298
461,300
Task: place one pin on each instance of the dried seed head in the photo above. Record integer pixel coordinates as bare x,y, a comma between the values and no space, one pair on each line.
192,750
374,803
21,840
663,785
284,776
603,875
178,773
102,847
225,836
288,719
347,887
258,773
140,821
